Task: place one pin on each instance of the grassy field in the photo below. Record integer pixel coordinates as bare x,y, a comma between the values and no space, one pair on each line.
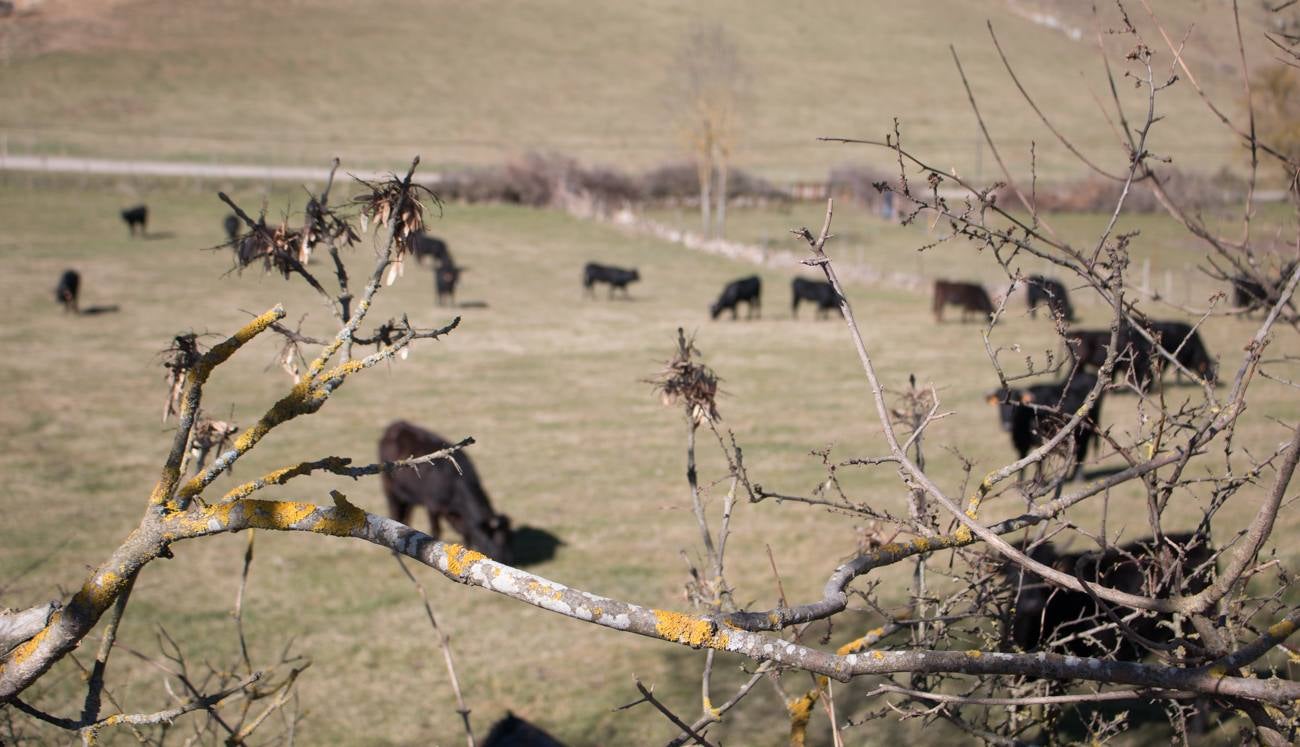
570,439
481,82
1163,255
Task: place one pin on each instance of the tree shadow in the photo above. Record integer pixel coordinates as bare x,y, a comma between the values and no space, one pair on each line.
533,545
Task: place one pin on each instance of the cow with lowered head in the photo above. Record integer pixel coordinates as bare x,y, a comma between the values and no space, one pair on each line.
969,297
616,277
749,290
1046,291
1047,616
1184,343
423,245
821,293
457,496
1034,414
68,288
1248,293
445,277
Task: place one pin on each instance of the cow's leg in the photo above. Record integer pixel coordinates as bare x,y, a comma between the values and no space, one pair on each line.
398,509
435,523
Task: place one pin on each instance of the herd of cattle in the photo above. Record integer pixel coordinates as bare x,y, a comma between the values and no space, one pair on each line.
1040,612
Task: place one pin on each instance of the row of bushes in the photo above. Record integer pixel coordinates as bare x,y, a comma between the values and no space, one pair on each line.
551,180
1090,195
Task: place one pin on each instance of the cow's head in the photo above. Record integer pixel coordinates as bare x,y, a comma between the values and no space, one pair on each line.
1006,400
492,536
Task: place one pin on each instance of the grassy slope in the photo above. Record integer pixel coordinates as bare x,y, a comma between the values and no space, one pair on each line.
477,82
570,440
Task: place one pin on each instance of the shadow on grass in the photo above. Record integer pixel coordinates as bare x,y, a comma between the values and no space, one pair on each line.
533,546
95,310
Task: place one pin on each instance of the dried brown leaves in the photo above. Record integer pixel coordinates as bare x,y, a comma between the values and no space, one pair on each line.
396,201
684,380
180,357
280,248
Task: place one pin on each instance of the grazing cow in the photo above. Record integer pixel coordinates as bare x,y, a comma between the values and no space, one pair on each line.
445,277
1070,621
231,224
1052,293
423,245
617,277
819,292
136,217
748,289
1034,414
971,297
1089,347
1180,339
66,292
442,491
513,731
1249,294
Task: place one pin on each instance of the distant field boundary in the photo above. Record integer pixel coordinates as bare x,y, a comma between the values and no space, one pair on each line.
186,169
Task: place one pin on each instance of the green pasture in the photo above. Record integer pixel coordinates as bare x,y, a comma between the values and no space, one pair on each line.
478,83
570,439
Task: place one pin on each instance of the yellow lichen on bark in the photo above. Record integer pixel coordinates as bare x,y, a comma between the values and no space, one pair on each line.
460,558
693,631
854,646
800,713
1281,629
343,520
28,647
223,350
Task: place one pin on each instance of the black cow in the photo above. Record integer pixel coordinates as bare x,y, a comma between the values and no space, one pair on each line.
1181,339
442,491
1089,347
136,217
67,289
819,292
1034,414
1136,352
423,245
231,224
1047,616
513,731
445,277
1249,294
1052,293
749,290
971,297
617,277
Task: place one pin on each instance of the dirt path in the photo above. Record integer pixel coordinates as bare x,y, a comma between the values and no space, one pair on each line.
115,167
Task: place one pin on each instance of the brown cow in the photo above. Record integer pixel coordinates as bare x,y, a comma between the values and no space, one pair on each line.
971,297
442,491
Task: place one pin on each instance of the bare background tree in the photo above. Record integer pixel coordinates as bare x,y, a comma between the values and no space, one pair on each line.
711,81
